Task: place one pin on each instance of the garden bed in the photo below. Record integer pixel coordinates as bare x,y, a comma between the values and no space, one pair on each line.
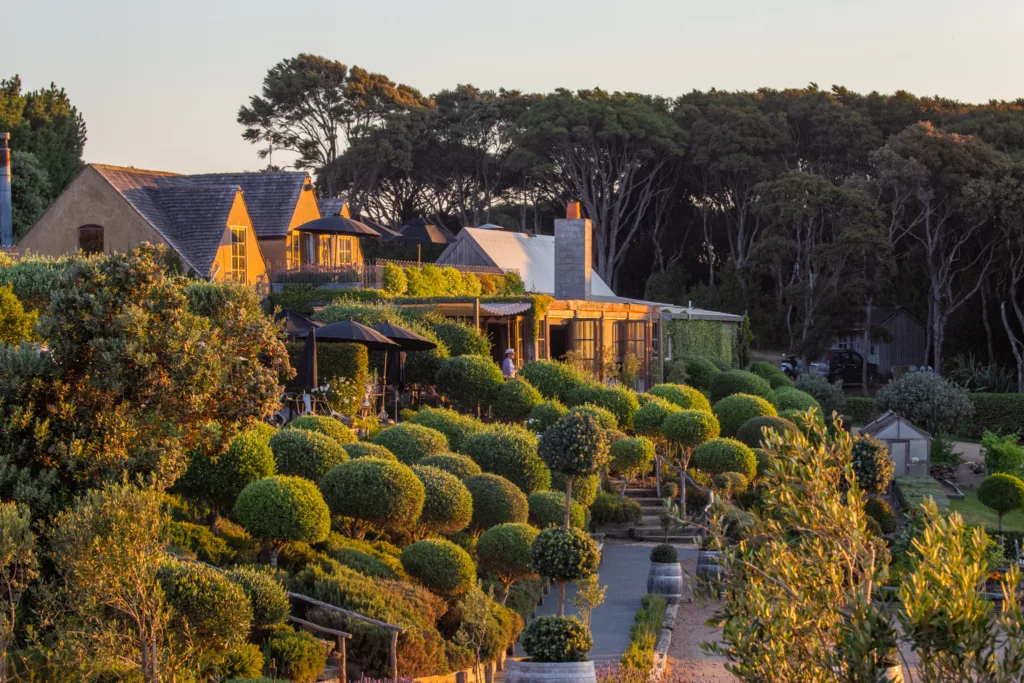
911,491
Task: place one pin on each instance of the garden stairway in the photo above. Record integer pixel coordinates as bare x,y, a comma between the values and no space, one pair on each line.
649,528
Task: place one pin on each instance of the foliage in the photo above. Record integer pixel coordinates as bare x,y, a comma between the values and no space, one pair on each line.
454,425
913,491
736,409
365,449
15,323
306,453
632,457
1003,454
511,452
589,595
440,565
267,598
944,451
698,371
681,395
1001,493
212,610
504,550
325,425
690,428
927,400
795,399
197,541
244,662
643,634
447,506
621,402
664,553
395,281
604,417
564,554
283,508
545,414
872,464
459,465
738,382
219,478
468,381
411,442
829,397
554,380
462,339
557,639
751,431
730,484
547,509
379,492
575,445
880,511
725,455
514,400
999,413
609,508
19,567
860,410
584,488
343,368
649,419
299,656
496,500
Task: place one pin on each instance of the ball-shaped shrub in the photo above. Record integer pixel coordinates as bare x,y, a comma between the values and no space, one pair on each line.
872,464
609,508
829,396
496,500
650,417
544,415
1001,493
564,554
880,511
514,400
382,492
267,597
791,398
690,428
454,425
452,463
752,431
765,461
738,382
283,508
298,655
557,639
773,374
510,451
440,565
243,662
735,409
700,371
468,381
219,479
365,449
585,487
552,379
325,425
213,609
604,417
927,400
447,507
683,396
664,553
505,550
305,453
575,445
547,508
410,442
632,457
730,483
619,401
725,455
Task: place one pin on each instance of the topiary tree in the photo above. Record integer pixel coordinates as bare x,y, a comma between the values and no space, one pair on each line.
681,395
280,509
218,479
619,401
381,493
564,555
699,371
504,550
454,425
576,445
214,611
927,400
735,409
510,451
752,431
325,425
650,417
514,400
547,508
440,565
829,396
365,449
468,381
872,464
447,506
1001,493
725,455
557,639
730,484
584,488
664,553
684,430
738,382
267,597
411,442
552,379
791,398
459,465
881,512
632,458
496,500
544,415
604,417
305,453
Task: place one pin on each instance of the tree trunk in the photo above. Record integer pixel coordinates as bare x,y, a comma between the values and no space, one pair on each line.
1016,345
568,498
504,596
561,592
990,347
274,552
867,347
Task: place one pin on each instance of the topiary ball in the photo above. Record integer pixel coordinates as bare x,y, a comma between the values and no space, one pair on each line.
880,511
267,597
772,374
681,395
505,550
564,554
1001,493
454,425
410,442
365,449
283,508
738,382
552,379
736,409
382,492
650,417
574,445
327,426
447,506
725,455
557,639
788,398
690,428
872,464
219,480
496,500
619,401
730,484
547,508
440,565
514,400
459,465
699,371
544,415
305,453
604,417
664,553
468,381
632,457
510,451
206,603
751,432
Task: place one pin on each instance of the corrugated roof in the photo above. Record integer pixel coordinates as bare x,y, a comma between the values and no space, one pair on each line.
506,309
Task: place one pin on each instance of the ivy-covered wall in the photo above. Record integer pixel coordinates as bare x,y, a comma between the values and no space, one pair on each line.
702,338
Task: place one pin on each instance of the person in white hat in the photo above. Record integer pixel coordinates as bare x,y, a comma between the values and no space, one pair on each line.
508,366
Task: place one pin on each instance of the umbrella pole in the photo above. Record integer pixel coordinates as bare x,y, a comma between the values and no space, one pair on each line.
384,385
419,254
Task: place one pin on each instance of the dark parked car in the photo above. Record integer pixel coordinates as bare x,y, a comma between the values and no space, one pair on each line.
844,365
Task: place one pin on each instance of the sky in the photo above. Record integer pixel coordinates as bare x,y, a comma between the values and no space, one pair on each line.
160,83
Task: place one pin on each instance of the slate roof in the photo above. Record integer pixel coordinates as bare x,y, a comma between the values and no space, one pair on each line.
270,197
330,206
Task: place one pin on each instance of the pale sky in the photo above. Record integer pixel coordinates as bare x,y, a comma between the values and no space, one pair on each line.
160,83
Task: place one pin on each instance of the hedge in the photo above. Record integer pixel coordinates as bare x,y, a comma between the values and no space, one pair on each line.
454,425
690,428
300,298
214,610
514,400
325,425
793,399
911,491
649,419
299,656
267,598
632,457
681,395
219,478
564,554
619,401
557,639
553,379
197,540
384,493
462,339
344,366
305,453
365,449
496,500
505,551
860,410
751,432
283,508
410,442
698,371
614,509
440,565
576,444
468,381
448,506
725,455
998,413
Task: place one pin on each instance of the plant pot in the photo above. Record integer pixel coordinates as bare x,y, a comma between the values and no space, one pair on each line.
665,578
707,564
527,671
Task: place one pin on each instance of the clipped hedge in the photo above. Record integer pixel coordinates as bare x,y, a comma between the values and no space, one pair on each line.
794,399
997,413
410,442
462,339
547,509
496,500
384,493
365,449
283,508
440,565
459,465
448,506
699,371
267,597
604,417
545,414
690,428
725,455
511,452
681,395
860,410
454,425
632,457
751,432
344,366
735,409
505,550
514,400
305,453
554,380
738,382
610,508
619,401
325,425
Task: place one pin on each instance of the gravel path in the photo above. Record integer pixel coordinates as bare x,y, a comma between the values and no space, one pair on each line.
688,663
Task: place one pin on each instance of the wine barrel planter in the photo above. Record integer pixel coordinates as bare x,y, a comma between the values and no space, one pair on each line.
707,564
527,671
665,578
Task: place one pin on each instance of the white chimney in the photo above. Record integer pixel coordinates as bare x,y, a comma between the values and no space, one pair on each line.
573,255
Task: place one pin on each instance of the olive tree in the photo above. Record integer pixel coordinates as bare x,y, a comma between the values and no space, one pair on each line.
18,568
575,445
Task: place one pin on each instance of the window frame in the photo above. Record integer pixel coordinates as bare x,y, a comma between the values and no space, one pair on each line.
88,246
238,255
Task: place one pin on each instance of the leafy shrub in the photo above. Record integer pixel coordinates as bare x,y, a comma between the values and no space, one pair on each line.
604,417
547,508
564,554
384,493
299,656
440,565
738,382
242,662
736,409
576,444
514,400
912,491
765,370
395,282
1002,454
385,560
730,484
343,367
267,598
218,479
305,453
927,400
365,449
681,395
544,415
496,500
584,487
829,396
365,564
610,508
803,419
505,550
999,413
552,379
793,399
751,432
643,634
459,465
944,451
664,553
632,457
462,339
410,442
725,455
699,371
198,541
649,419
448,507
690,428
765,461
325,425
454,425
510,451
283,508
468,381
213,609
1001,493
557,639
872,464
880,511
619,401
860,410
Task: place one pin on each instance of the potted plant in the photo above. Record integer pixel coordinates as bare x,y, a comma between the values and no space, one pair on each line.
666,575
557,649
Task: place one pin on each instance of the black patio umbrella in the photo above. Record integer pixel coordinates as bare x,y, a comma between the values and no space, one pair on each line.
355,333
407,339
296,324
418,232
385,232
338,225
305,375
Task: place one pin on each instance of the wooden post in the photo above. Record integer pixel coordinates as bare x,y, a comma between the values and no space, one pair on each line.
394,657
657,474
661,346
476,313
342,673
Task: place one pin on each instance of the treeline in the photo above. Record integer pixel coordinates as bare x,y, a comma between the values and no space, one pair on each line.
802,207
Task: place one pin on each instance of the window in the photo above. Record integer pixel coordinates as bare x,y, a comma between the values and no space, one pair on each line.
542,339
325,254
584,341
294,250
634,338
237,270
90,239
345,255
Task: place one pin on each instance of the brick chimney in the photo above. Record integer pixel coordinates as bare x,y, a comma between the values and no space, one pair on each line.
6,219
573,254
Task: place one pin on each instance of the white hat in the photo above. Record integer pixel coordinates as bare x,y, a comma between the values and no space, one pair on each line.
508,351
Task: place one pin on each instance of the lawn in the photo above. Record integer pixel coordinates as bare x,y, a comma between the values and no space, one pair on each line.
974,512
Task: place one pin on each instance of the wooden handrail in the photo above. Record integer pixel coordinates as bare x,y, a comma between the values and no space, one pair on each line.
353,615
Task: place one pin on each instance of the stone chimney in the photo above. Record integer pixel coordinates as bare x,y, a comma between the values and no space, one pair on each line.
6,219
573,255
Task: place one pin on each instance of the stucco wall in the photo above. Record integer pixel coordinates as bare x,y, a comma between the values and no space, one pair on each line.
254,266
